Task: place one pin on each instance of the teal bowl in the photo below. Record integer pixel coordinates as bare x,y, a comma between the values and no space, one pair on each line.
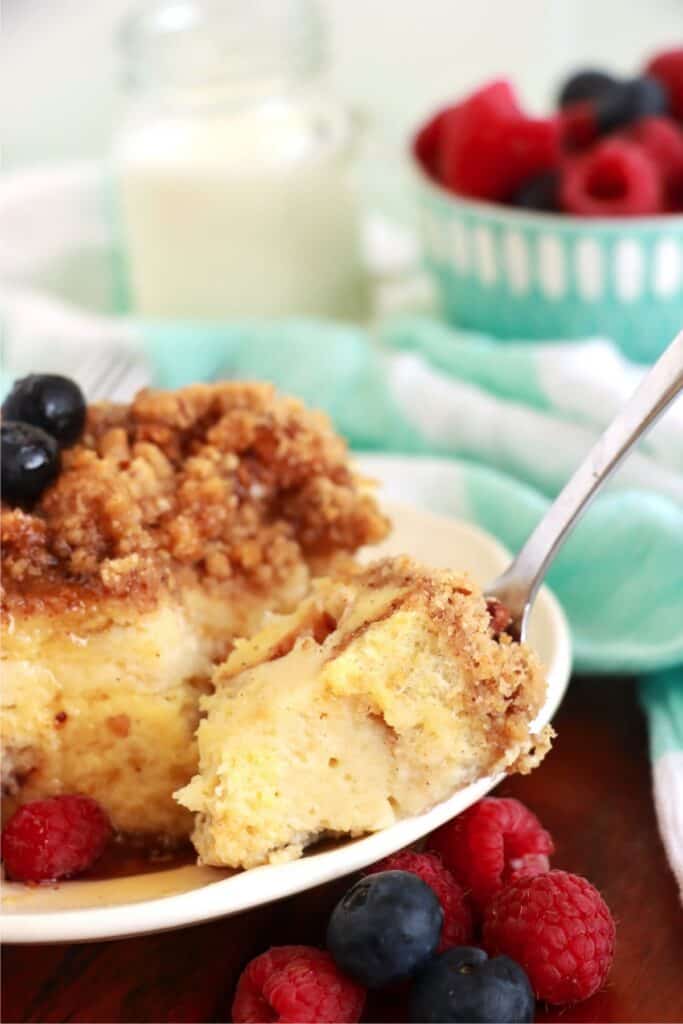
517,274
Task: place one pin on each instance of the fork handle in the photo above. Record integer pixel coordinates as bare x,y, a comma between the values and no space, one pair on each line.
517,587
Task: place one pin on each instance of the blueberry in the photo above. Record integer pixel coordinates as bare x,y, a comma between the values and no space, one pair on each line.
30,462
462,984
628,101
585,85
385,928
46,400
647,97
539,193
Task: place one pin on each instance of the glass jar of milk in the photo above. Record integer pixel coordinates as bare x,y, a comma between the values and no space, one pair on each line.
235,166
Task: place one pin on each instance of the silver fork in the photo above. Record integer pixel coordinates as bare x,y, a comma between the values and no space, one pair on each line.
518,585
114,374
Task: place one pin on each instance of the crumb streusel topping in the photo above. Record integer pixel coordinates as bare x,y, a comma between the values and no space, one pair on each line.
226,480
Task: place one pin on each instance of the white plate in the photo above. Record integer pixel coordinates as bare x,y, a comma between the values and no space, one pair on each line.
82,910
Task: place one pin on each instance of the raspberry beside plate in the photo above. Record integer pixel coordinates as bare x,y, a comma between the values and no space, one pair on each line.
296,984
559,929
49,839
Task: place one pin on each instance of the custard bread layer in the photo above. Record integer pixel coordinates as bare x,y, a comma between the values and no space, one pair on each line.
381,695
107,703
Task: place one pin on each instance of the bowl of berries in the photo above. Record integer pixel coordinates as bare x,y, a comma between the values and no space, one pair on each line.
564,226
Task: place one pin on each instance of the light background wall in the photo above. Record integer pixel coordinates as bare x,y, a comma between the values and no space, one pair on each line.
397,58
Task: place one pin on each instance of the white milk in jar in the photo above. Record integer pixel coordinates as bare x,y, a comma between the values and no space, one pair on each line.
235,171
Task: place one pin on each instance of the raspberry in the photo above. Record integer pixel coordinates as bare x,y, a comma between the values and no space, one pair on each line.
491,843
616,178
528,866
427,143
662,140
579,125
668,69
54,838
457,916
297,984
559,929
499,614
488,147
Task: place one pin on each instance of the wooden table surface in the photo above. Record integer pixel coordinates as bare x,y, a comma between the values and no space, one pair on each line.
593,793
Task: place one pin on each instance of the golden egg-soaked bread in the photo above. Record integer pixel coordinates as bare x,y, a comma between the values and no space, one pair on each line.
383,693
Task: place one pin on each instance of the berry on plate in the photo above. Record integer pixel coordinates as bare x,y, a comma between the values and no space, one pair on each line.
55,838
488,147
46,400
385,928
559,928
457,916
464,985
667,68
616,178
296,984
490,844
29,461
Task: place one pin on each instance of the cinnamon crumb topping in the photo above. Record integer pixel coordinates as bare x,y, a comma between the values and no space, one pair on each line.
224,480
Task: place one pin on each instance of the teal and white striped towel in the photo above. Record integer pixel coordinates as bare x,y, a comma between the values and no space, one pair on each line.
509,423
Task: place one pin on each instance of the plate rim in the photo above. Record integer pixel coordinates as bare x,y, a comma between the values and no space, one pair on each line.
198,905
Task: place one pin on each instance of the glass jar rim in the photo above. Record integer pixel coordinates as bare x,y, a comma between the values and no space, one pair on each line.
180,44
